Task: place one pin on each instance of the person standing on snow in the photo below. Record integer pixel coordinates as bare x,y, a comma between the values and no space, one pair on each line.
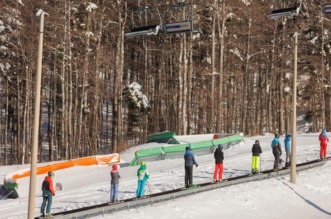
219,157
143,176
276,150
256,151
287,143
189,161
48,193
323,143
115,178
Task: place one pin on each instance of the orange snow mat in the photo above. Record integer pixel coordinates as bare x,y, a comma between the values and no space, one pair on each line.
86,161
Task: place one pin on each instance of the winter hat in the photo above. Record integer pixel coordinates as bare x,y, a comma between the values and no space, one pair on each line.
276,135
220,146
50,174
323,130
114,167
187,148
143,163
257,142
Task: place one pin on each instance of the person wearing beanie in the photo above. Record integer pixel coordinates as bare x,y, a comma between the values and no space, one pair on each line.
114,184
143,176
219,157
287,143
323,138
189,162
277,151
48,193
256,151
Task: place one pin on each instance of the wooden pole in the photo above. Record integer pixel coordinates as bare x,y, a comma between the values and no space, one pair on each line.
34,152
293,176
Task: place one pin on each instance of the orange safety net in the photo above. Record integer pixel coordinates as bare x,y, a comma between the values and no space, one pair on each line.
86,161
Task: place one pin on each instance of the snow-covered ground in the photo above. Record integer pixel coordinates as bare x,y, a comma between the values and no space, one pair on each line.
273,198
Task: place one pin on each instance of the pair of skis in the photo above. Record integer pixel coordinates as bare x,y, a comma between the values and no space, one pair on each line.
114,203
253,174
219,181
142,197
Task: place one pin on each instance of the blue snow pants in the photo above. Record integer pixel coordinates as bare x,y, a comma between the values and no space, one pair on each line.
141,188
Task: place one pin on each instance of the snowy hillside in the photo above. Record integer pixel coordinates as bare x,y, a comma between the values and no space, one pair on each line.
274,198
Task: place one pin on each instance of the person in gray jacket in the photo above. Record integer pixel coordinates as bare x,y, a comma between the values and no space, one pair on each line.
189,161
115,178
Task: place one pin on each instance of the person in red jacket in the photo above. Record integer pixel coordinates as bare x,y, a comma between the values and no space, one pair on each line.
48,193
323,144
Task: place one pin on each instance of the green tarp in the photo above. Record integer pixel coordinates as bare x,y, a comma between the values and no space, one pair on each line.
177,150
11,188
148,152
174,148
163,137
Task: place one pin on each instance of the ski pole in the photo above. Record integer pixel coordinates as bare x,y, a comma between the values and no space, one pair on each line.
260,163
149,188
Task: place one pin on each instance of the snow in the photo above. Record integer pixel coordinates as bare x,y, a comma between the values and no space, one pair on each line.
137,96
4,67
91,6
272,198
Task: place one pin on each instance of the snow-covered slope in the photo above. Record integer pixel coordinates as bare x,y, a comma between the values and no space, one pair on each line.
275,198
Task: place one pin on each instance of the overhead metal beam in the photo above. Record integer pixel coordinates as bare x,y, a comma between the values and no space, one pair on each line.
286,12
143,31
178,27
326,9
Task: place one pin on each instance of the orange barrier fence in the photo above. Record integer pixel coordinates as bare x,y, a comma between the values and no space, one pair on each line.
86,161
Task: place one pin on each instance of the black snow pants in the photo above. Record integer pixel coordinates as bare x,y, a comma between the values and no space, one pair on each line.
188,176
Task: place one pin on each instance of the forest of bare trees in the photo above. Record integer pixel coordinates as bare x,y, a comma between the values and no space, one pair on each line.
234,75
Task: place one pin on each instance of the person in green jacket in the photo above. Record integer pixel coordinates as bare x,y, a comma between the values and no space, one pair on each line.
143,176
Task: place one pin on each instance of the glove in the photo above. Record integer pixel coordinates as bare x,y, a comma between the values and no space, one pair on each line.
196,165
54,194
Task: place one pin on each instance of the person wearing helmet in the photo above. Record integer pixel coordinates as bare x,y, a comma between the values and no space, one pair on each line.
189,162
276,150
287,143
323,137
219,157
143,176
48,193
115,178
256,151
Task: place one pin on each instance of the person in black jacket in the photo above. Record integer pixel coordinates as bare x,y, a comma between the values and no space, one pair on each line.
277,152
256,151
219,157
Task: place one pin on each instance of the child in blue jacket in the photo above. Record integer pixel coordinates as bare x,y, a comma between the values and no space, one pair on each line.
287,143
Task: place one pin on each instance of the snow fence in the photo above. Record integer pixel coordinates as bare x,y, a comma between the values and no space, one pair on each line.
176,150
11,184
